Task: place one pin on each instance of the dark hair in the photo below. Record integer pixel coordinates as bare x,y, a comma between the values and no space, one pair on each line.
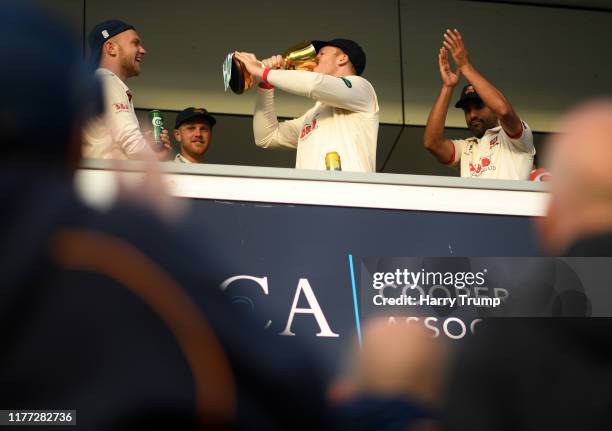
46,88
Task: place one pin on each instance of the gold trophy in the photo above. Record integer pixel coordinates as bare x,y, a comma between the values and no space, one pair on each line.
300,57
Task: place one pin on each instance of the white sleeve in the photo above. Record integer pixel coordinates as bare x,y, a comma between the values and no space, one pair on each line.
268,132
122,122
522,143
458,146
352,93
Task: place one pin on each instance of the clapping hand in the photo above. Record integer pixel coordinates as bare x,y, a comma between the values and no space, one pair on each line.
454,43
450,78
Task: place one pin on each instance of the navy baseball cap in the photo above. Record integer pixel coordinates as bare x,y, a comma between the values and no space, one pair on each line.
192,113
349,47
101,33
468,94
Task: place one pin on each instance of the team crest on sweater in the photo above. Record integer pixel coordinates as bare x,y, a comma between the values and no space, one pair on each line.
494,141
121,107
348,83
483,165
308,128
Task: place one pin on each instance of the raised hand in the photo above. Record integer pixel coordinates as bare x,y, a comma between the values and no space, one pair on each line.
274,62
454,43
251,63
449,77
161,152
166,147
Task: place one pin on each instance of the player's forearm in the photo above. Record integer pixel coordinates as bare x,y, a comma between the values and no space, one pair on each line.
434,130
265,123
134,145
267,130
296,82
339,92
489,94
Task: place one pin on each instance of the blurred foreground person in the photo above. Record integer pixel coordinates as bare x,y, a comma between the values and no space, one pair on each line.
579,217
534,374
395,380
97,310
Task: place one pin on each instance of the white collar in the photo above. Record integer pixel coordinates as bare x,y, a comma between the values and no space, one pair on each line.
179,158
101,71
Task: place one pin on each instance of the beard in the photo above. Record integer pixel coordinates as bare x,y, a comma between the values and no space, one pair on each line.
132,69
130,66
481,127
196,149
478,130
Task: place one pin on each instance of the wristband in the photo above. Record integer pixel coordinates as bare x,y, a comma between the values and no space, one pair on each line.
264,80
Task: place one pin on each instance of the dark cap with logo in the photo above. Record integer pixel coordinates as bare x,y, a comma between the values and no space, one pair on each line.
468,94
193,113
101,33
349,47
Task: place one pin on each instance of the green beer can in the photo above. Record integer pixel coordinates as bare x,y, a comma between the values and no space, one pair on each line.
157,122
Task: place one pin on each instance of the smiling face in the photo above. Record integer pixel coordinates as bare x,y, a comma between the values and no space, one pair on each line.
479,118
129,52
194,137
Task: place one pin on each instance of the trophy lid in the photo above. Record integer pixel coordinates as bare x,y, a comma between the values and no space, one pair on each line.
227,70
235,75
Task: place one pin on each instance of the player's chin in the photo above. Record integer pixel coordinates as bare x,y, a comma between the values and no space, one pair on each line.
200,146
199,151
477,131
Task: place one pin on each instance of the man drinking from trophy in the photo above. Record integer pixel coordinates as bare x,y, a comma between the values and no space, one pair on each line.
344,118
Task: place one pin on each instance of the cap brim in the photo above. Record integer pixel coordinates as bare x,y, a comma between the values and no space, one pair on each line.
207,117
461,103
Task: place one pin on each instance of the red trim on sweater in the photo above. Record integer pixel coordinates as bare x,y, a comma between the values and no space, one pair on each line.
452,158
518,135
